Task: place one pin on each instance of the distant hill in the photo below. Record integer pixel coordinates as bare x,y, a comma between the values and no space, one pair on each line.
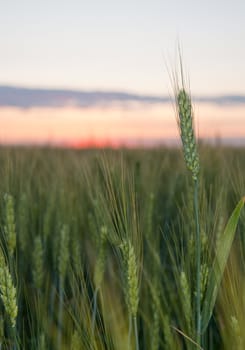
27,97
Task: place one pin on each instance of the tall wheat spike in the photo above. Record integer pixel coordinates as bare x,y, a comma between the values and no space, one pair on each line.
131,286
185,289
101,259
8,291
76,343
37,258
131,278
10,230
63,256
187,134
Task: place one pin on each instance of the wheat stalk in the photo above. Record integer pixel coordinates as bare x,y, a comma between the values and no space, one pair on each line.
8,291
63,259
189,145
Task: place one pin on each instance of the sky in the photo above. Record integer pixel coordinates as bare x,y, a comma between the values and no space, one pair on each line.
126,46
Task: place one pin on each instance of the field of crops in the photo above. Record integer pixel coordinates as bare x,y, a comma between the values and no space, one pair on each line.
98,249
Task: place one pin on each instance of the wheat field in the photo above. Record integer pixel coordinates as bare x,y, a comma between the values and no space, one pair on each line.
98,249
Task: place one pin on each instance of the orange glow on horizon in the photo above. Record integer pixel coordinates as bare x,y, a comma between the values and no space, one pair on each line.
114,126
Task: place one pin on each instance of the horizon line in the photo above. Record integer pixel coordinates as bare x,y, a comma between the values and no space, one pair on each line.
126,143
27,97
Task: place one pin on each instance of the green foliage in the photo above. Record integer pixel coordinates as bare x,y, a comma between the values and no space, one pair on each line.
121,221
220,260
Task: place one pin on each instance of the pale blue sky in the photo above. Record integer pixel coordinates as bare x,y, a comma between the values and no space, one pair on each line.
122,45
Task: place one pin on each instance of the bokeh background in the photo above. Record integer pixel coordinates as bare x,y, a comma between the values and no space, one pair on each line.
97,73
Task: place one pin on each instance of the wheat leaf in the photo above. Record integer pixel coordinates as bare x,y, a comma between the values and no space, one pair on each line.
219,264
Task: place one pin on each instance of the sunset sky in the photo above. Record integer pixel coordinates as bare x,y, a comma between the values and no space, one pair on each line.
120,46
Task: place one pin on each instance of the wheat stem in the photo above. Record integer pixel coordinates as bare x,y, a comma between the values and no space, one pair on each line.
60,314
191,156
136,334
94,309
129,332
198,265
